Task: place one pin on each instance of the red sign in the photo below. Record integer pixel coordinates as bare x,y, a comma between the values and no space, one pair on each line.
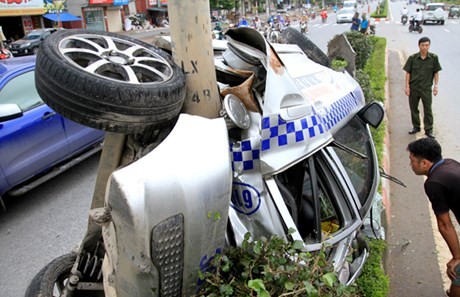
164,2
100,1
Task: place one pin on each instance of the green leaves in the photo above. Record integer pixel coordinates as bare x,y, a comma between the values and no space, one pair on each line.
258,286
272,267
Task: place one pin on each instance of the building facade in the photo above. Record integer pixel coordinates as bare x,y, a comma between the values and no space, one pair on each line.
19,17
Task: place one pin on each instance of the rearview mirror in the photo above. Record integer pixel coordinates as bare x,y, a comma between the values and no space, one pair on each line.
9,112
372,114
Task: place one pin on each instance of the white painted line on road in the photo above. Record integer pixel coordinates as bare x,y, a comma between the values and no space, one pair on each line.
446,30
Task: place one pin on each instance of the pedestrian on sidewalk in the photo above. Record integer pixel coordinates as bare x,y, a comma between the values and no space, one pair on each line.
442,187
355,22
364,24
422,69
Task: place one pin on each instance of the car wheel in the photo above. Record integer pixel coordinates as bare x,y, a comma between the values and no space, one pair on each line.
108,81
313,52
442,22
35,50
51,280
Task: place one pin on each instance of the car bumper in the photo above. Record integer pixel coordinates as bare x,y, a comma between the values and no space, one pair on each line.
21,51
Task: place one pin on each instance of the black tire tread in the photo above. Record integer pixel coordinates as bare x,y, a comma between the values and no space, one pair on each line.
43,282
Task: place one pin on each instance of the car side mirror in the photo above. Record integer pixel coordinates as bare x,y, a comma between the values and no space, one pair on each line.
9,112
372,114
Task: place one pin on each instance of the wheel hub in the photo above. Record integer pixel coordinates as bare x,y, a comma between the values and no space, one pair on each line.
118,60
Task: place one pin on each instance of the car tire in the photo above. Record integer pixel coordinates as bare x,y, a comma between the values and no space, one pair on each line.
109,81
313,52
55,273
442,22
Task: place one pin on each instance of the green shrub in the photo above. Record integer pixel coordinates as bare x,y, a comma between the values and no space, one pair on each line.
375,67
373,282
381,11
268,267
362,47
339,64
365,82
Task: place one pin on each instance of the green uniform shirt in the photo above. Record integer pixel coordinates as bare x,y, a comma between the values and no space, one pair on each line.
422,71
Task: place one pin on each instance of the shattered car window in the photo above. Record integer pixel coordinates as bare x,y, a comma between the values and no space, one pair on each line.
360,170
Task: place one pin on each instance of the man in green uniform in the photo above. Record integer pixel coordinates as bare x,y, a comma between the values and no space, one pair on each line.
422,69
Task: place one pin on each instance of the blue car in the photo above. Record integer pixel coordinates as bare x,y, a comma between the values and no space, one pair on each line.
33,138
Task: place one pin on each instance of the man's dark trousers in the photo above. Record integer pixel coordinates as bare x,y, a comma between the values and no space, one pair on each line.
414,99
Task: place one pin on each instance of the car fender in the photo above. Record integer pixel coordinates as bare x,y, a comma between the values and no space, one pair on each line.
169,211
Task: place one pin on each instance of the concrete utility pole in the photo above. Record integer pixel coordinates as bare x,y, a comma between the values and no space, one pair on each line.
191,38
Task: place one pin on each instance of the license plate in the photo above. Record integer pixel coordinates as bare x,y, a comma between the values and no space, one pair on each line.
14,52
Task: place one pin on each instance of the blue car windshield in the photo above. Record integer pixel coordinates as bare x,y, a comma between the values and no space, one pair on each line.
21,91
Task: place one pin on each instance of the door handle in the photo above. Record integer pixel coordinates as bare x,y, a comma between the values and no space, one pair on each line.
48,115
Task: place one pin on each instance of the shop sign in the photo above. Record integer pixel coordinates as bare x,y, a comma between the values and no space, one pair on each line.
21,7
153,2
120,2
27,24
101,1
164,2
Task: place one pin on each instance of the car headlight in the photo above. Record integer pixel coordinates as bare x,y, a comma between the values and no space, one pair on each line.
25,45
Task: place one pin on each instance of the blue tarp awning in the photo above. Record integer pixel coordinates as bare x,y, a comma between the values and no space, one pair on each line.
63,16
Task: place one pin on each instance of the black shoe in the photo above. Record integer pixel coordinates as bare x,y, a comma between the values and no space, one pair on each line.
414,130
430,135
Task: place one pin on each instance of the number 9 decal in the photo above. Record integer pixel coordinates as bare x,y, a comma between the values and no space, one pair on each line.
245,198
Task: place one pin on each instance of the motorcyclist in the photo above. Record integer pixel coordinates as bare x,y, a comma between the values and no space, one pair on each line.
304,23
418,17
324,15
404,15
243,22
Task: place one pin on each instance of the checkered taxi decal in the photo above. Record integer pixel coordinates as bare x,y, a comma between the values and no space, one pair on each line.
275,132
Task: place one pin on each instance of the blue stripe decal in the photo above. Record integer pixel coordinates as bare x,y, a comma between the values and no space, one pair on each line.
278,133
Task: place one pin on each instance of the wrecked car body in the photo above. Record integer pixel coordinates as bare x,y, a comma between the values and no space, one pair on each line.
292,149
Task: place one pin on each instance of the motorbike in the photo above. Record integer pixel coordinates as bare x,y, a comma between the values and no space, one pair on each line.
404,19
174,189
303,28
454,11
372,29
415,26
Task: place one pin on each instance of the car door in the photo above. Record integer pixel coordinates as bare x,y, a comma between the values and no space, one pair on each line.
79,136
317,201
36,140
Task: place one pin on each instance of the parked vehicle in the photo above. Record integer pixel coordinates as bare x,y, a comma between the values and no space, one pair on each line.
291,150
454,11
415,26
434,12
29,44
352,4
345,15
34,139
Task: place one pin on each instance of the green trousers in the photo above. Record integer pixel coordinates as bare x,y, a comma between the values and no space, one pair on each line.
414,99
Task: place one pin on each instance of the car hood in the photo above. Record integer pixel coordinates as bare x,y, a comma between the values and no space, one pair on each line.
22,41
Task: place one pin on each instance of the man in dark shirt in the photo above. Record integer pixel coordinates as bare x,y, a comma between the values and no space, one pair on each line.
442,187
422,69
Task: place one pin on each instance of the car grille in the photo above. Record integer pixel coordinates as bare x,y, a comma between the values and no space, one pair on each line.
168,254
